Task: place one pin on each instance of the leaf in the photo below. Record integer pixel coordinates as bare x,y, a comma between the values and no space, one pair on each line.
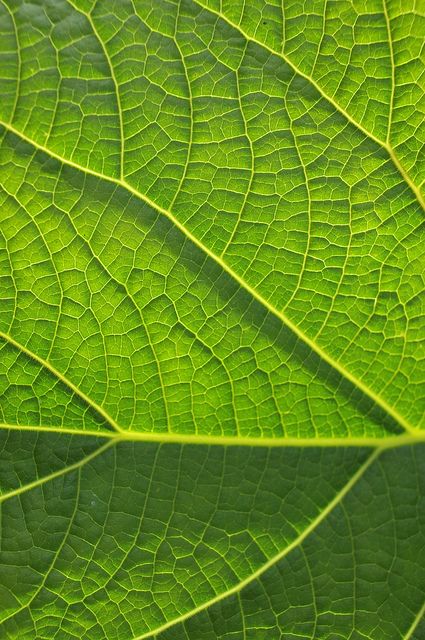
211,327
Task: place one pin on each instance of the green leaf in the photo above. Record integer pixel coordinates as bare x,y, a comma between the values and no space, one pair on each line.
212,337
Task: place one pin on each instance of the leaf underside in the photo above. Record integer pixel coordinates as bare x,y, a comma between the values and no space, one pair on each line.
212,337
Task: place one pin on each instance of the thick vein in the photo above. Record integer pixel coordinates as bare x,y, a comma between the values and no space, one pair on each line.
410,437
334,364
381,442
384,144
56,429
60,376
276,558
415,623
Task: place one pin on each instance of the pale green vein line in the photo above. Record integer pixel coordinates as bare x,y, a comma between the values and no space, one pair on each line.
240,603
89,18
381,402
276,558
58,430
19,59
386,442
416,190
384,144
287,441
56,474
390,44
60,376
293,66
415,623
123,287
251,168
190,114
281,316
306,252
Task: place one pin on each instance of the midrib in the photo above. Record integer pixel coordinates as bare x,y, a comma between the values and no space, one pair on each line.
380,442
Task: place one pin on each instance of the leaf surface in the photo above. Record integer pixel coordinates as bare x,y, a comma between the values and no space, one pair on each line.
211,322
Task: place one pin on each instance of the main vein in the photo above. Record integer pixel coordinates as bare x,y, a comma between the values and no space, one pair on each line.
381,442
334,364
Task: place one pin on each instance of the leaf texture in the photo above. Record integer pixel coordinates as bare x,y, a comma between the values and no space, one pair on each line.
212,320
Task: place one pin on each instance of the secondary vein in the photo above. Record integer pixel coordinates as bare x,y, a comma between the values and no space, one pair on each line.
60,376
276,558
56,474
382,143
334,364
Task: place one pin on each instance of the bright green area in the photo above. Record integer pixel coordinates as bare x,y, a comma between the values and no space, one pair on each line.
212,334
